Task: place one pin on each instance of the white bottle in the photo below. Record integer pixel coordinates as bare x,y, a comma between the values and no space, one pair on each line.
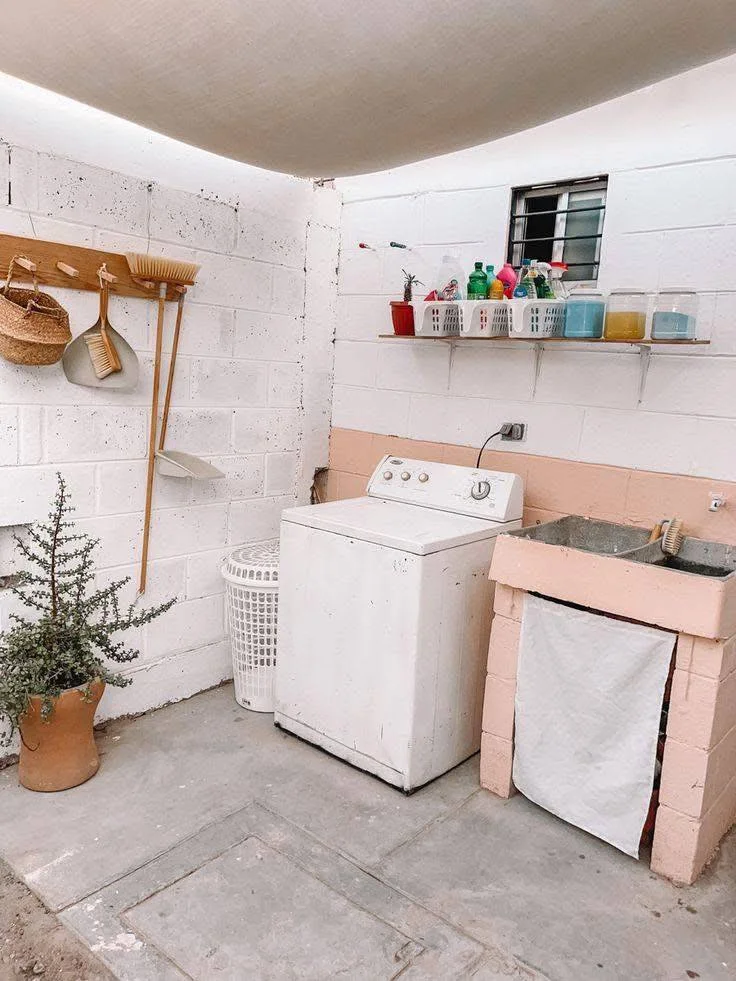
450,280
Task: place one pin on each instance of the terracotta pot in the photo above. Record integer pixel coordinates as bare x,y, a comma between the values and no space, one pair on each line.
402,316
60,753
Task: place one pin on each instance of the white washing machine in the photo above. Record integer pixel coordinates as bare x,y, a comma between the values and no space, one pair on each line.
384,614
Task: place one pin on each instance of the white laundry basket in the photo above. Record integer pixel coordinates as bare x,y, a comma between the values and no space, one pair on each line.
251,577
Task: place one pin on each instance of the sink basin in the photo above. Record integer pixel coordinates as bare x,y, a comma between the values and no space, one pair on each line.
697,557
587,534
613,569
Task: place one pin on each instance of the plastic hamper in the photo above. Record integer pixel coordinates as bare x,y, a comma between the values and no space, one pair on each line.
251,577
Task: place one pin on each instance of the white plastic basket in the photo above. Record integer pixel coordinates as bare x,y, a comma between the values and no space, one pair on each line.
536,318
251,577
437,319
485,318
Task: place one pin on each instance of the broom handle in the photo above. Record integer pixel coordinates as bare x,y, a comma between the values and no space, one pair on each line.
172,367
152,435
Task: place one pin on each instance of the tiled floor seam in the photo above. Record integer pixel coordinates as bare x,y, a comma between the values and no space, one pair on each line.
263,839
430,824
142,865
160,953
374,872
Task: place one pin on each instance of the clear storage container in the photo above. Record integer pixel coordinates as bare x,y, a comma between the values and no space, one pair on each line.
626,316
584,314
675,315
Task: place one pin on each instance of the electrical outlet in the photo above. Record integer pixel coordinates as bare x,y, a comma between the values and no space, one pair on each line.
513,431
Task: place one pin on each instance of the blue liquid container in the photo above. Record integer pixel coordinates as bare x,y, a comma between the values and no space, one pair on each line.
674,315
585,313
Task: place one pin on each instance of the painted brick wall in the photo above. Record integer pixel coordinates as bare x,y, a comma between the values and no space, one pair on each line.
253,385
670,221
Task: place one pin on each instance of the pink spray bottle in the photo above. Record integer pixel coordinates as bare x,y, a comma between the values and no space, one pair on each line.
508,277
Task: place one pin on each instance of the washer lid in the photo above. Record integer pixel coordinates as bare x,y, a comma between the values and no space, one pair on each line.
402,526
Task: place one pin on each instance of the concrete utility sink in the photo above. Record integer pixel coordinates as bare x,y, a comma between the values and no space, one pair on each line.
588,535
696,557
611,568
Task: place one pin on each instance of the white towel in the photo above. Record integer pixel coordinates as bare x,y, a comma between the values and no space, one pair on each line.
588,704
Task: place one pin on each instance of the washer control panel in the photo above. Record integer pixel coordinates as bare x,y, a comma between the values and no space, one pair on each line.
487,494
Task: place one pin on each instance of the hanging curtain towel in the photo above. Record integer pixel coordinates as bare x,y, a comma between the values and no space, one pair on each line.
588,704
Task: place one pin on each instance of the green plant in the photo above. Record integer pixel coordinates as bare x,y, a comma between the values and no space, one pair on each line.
71,639
410,281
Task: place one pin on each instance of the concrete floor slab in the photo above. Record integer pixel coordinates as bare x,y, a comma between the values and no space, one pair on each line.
277,922
524,881
451,883
171,772
211,914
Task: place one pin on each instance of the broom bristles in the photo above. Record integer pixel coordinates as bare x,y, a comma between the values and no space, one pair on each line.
160,269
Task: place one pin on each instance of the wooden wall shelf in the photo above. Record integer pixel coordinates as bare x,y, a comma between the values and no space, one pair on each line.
51,257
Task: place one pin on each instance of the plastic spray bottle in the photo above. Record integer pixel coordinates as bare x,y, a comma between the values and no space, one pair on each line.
525,288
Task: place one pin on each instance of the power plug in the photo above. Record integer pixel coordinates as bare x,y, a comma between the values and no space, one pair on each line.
513,431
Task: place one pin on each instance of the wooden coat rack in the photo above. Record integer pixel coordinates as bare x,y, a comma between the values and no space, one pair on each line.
74,267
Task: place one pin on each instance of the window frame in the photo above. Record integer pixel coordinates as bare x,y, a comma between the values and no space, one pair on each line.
516,234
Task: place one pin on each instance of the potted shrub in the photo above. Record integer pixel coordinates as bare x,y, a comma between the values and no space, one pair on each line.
402,312
55,663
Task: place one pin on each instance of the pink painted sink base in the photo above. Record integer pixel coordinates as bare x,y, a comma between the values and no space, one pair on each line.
697,798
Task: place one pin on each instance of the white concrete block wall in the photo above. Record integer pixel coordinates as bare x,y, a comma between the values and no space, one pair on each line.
253,377
670,221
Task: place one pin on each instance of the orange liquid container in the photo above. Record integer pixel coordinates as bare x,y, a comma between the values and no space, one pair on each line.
626,316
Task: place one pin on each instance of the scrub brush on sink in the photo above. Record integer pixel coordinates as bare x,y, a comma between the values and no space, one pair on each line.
673,537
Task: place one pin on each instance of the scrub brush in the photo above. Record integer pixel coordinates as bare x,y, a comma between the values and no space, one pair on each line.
673,537
104,357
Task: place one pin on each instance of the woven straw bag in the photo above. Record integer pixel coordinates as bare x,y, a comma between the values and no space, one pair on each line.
34,327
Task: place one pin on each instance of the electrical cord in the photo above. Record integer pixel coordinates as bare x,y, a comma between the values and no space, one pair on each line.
480,451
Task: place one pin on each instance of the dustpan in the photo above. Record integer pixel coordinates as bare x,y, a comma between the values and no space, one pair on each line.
175,463
79,369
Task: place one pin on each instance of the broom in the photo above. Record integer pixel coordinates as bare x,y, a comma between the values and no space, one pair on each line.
156,270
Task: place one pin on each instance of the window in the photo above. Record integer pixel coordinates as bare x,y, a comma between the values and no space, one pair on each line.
560,223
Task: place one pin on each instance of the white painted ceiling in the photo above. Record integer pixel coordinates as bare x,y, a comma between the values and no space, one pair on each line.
332,87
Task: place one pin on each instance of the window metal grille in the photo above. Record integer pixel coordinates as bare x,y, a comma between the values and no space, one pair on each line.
560,222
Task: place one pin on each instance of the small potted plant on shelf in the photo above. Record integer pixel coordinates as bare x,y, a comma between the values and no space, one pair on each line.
402,312
55,663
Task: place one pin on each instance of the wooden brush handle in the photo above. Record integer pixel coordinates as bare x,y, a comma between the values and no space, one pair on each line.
655,533
172,368
152,436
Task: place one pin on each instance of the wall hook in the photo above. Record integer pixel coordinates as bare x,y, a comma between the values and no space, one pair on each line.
67,269
103,274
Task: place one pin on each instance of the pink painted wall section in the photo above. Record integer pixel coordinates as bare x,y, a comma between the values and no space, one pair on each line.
552,487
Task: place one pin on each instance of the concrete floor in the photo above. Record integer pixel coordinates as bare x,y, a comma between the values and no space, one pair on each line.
213,846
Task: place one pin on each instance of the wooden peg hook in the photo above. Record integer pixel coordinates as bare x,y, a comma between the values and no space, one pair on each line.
26,263
67,269
104,274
